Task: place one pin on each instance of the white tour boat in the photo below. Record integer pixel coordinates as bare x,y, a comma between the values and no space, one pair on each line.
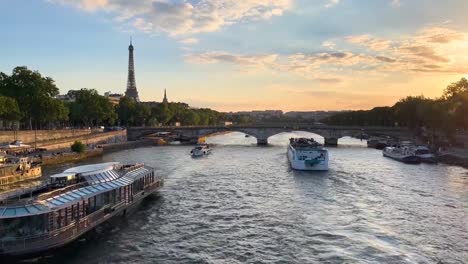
200,150
307,154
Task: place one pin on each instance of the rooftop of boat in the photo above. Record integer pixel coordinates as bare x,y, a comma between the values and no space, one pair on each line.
98,178
304,143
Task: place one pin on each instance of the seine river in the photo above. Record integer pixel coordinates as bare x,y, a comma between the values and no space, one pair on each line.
243,204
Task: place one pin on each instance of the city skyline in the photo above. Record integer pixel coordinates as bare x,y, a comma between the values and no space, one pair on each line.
244,55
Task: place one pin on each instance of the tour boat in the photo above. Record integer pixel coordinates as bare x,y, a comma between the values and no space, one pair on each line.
404,154
75,202
14,169
307,154
200,150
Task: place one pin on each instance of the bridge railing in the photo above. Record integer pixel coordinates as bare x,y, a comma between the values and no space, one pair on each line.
278,125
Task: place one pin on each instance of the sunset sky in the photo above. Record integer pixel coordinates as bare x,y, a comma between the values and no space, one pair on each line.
233,55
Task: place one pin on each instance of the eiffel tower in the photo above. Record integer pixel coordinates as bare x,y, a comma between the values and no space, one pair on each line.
131,91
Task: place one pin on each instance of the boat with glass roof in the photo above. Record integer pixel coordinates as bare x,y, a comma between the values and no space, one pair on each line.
71,204
306,154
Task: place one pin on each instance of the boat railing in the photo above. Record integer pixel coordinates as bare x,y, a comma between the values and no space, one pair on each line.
131,167
14,197
53,193
60,234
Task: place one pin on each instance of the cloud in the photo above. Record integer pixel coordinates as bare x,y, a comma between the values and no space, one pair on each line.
369,42
189,41
385,59
430,50
395,3
437,46
424,52
328,44
322,67
178,18
332,3
441,35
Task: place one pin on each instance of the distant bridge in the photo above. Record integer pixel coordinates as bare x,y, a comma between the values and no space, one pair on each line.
331,134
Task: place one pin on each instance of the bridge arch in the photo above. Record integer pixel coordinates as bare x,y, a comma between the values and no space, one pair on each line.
263,132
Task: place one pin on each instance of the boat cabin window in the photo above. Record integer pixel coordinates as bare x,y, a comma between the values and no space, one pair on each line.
23,226
60,180
422,151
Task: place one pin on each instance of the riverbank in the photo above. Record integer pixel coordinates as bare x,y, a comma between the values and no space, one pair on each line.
56,158
108,148
64,157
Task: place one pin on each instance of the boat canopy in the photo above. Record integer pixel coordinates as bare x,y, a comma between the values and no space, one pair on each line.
73,196
77,195
24,210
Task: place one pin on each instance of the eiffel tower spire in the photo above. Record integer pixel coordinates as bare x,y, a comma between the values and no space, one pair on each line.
131,82
165,101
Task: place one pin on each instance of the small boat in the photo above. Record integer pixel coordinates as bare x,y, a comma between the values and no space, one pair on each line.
307,154
425,154
403,154
200,150
14,169
377,143
73,203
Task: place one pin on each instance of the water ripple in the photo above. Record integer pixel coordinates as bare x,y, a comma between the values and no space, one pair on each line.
243,204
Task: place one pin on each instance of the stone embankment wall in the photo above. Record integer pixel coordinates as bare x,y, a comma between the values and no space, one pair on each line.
65,157
30,136
90,139
107,148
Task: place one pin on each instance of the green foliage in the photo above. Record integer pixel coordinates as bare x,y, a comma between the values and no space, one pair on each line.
91,109
9,109
444,114
78,147
34,96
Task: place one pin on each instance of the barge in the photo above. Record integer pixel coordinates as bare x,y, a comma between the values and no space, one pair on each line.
14,169
73,203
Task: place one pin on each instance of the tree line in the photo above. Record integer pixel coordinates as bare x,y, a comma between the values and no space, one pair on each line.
133,113
445,114
28,98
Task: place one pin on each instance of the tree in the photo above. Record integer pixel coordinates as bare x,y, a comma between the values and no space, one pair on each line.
78,147
29,89
92,109
126,110
9,109
456,95
34,94
456,89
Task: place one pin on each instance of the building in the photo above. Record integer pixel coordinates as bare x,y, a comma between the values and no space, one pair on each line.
114,98
265,114
131,91
69,97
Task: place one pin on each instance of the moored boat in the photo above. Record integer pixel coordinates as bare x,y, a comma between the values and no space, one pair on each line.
200,150
425,154
17,169
377,143
401,153
75,202
307,154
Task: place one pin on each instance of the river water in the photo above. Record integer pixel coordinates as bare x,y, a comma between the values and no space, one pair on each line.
243,204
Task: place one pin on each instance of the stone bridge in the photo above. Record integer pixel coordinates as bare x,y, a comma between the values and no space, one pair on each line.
331,134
